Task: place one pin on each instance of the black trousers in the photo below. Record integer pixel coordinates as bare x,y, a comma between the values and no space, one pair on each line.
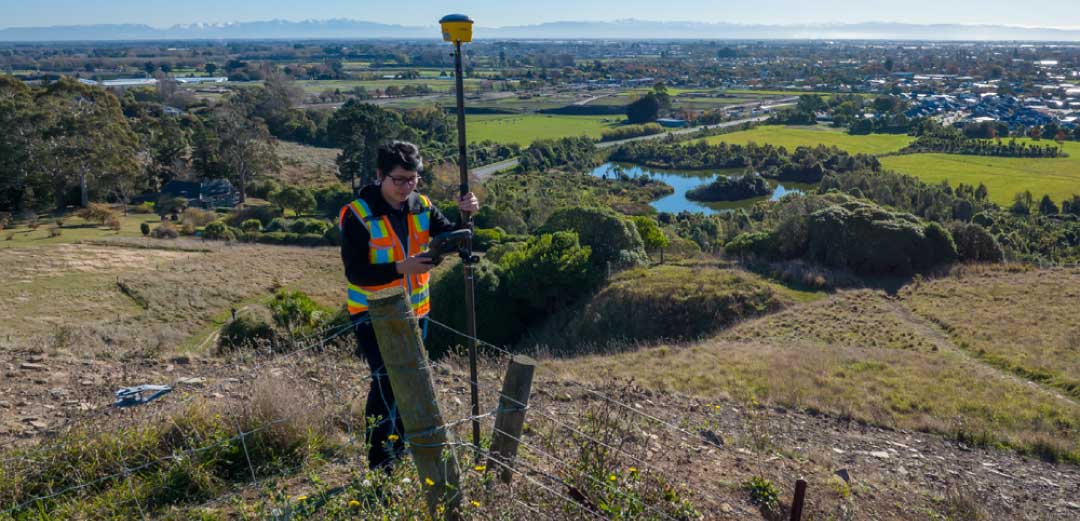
380,411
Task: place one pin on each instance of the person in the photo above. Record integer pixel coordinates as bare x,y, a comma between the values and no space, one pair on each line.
383,233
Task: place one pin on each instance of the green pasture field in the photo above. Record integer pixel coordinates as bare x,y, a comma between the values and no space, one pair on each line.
1004,177
526,128
791,137
73,229
317,86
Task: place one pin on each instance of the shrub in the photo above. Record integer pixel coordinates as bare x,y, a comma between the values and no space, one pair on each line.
485,238
165,231
9,236
763,492
113,223
171,205
652,237
277,224
251,225
262,188
218,231
54,231
332,236
144,228
550,271
761,243
97,213
974,243
187,229
198,217
613,239
246,331
330,200
296,312
143,208
264,214
311,226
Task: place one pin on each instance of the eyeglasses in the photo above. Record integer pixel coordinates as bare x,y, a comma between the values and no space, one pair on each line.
405,181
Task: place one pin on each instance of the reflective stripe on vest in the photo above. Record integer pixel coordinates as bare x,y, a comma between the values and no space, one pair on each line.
385,248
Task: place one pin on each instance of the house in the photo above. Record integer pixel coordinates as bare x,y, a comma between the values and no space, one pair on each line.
212,193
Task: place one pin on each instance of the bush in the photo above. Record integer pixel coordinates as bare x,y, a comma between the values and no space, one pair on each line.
264,214
277,224
217,231
165,231
54,231
246,331
97,213
332,236
198,217
297,313
144,228
871,240
171,205
613,239
251,225
146,207
310,226
485,238
550,271
652,237
187,229
262,188
330,200
113,223
761,243
974,243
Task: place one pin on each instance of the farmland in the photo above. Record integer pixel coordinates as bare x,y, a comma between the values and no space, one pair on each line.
796,136
526,128
1004,177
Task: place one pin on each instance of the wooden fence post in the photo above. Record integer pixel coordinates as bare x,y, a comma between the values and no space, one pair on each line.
797,502
402,349
510,417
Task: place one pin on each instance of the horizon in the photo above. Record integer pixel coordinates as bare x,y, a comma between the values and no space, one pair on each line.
160,14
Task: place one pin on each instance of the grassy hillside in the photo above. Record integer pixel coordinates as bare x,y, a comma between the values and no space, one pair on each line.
796,136
1003,176
867,356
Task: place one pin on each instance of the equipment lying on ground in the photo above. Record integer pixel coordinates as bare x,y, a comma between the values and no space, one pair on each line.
130,396
444,244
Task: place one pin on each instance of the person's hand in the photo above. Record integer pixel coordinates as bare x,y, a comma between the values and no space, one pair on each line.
414,265
468,203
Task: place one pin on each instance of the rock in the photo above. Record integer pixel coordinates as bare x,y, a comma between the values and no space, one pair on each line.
838,451
30,366
726,508
880,454
194,380
1074,506
843,474
39,425
38,358
181,359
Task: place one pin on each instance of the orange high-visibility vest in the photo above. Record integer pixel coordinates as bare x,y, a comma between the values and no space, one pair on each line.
385,248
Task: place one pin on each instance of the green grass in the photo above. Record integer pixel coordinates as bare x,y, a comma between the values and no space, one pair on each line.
796,136
526,128
317,86
1003,176
74,229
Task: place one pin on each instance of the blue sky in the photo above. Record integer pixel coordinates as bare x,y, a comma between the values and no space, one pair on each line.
164,13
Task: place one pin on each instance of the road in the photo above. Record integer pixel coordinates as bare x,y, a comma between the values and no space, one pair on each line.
485,171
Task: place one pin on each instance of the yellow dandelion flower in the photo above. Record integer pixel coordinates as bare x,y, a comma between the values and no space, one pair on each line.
612,478
633,470
393,437
301,498
354,503
475,503
429,481
440,509
480,468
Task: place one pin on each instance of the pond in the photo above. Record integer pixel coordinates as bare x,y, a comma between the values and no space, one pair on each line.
685,180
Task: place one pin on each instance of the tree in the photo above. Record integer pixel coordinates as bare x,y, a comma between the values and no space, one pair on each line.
1047,206
1023,203
644,109
246,147
651,234
210,68
359,129
84,135
17,122
296,198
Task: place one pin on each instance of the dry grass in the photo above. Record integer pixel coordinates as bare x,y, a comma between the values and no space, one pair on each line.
306,166
1024,322
855,355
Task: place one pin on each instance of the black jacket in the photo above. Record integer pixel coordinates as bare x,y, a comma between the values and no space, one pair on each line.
354,237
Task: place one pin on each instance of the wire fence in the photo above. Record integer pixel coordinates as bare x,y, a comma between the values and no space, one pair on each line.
318,340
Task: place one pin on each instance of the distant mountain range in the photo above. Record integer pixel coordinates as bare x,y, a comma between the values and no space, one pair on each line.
624,29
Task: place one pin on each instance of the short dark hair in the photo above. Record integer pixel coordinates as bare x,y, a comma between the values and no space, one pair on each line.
393,154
